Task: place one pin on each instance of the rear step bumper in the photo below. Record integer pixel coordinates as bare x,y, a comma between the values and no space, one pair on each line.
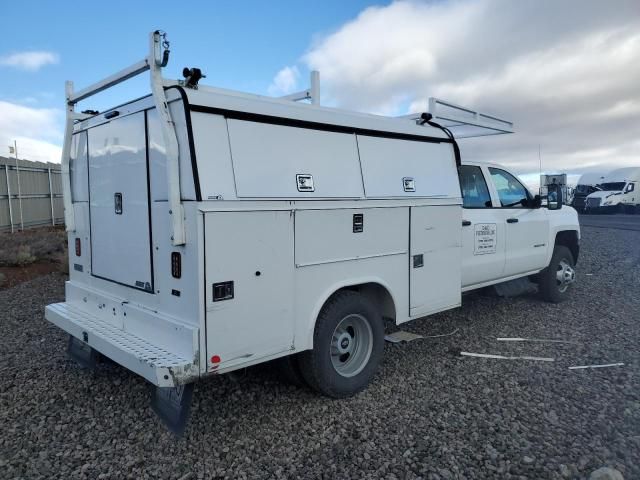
156,364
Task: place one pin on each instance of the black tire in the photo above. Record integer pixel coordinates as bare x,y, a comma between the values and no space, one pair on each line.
317,365
550,288
289,370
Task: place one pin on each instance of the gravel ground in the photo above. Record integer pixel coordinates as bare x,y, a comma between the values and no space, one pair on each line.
429,413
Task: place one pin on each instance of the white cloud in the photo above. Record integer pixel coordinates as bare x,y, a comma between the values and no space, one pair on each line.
567,73
31,61
285,81
37,131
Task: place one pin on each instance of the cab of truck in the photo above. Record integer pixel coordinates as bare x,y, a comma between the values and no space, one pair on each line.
617,192
587,184
507,233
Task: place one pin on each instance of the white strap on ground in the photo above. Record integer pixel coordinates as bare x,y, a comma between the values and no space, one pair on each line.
605,365
503,357
522,339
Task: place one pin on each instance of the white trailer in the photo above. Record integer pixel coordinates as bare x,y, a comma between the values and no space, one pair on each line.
211,230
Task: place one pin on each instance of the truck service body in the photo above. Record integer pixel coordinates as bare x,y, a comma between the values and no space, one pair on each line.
301,228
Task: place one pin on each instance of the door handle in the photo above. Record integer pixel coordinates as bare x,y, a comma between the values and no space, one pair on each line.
466,223
512,220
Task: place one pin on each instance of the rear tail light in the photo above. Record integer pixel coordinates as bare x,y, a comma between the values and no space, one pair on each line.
176,265
78,247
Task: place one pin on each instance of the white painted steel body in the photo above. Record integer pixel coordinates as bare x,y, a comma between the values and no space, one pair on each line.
379,209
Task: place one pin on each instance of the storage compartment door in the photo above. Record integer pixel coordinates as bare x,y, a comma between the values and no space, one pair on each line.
435,260
119,202
401,168
275,161
249,285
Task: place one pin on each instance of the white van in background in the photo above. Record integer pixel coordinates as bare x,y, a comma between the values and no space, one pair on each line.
618,192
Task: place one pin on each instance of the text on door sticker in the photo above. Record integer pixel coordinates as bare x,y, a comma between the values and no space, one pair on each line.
485,238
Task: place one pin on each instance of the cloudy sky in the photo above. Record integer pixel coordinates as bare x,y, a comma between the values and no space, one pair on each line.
567,72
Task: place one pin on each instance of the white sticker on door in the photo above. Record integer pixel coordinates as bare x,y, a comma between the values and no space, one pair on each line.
485,238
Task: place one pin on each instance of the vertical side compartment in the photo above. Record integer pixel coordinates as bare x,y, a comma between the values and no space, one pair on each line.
435,259
248,284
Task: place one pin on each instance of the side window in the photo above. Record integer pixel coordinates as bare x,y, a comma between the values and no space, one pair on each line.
78,168
475,193
510,191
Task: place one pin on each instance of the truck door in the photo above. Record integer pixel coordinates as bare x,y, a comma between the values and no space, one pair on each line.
119,202
629,194
483,230
527,229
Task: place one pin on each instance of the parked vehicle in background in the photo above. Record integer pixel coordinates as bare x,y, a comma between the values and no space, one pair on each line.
618,192
587,184
558,179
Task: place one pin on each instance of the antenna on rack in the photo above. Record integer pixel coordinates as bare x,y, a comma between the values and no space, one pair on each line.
540,159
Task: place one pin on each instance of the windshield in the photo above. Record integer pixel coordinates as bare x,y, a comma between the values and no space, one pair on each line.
613,186
585,189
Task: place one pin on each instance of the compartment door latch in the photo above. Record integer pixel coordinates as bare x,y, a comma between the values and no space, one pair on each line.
304,182
117,203
222,291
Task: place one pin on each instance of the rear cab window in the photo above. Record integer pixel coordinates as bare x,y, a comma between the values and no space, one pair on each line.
475,193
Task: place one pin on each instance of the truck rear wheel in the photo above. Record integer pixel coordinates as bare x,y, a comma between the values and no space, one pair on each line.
347,346
555,281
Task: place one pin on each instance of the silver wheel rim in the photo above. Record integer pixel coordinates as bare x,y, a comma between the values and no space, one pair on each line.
351,345
565,275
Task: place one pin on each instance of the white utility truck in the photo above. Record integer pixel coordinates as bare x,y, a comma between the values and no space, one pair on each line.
211,230
618,192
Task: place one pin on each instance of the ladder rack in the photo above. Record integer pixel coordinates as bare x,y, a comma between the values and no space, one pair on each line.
464,122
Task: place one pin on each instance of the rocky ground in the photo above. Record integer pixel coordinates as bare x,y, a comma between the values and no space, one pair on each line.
430,413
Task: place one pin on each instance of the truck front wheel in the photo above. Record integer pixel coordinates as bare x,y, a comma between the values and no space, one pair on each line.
348,343
555,281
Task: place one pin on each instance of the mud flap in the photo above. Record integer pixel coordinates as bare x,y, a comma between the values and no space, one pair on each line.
173,405
81,353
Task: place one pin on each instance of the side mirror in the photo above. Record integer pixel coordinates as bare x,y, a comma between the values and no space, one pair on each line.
554,197
536,202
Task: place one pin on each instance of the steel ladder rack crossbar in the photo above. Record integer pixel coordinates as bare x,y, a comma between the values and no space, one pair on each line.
157,58
464,122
